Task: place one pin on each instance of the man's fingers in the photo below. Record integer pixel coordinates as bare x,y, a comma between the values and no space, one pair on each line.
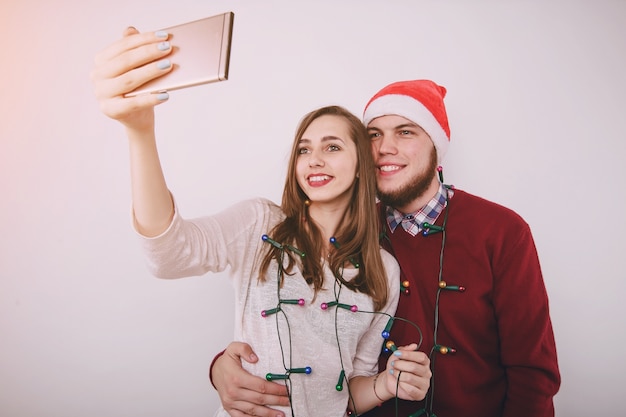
251,388
240,350
250,403
247,410
131,30
271,393
249,400
266,387
241,393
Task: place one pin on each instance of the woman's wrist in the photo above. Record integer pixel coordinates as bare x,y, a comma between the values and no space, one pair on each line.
380,400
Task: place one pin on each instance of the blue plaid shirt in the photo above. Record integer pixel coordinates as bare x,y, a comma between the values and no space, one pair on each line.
412,222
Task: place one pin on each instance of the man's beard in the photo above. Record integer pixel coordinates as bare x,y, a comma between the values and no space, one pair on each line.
414,189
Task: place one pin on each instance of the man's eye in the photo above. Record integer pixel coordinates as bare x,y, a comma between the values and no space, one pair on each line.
374,135
405,132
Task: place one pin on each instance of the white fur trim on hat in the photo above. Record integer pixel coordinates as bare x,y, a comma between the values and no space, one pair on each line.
413,110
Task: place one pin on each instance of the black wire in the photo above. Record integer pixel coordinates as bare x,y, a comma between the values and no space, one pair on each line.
429,399
280,276
337,288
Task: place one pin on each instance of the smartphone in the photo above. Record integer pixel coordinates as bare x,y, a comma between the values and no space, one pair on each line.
201,54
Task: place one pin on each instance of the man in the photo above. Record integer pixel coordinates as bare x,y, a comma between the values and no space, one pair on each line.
471,280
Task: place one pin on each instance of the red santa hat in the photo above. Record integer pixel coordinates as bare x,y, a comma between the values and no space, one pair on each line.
420,101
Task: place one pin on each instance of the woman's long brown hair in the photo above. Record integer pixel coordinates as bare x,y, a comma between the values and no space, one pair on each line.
357,235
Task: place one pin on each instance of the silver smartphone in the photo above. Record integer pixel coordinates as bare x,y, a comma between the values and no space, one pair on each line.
201,54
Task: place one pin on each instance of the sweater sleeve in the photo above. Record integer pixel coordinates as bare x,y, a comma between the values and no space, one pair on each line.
528,350
193,247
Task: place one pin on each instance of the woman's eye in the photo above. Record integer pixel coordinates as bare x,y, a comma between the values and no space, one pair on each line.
302,151
334,148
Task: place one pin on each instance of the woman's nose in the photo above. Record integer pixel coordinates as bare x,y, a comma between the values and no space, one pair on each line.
316,159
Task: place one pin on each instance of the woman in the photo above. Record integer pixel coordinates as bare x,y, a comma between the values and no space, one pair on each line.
313,289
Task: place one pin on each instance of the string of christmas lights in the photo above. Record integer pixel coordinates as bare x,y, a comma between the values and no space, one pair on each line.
277,311
427,230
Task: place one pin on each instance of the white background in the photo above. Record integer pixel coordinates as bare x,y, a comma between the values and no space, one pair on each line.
536,104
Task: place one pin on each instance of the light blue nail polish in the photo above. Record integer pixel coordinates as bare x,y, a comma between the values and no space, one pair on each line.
397,353
391,372
393,363
164,64
160,34
163,96
163,46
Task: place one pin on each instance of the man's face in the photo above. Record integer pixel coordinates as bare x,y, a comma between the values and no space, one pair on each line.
406,162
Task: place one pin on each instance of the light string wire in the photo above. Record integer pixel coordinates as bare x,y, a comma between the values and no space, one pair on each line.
429,399
427,410
337,292
428,403
279,279
386,343
385,335
280,258
338,286
397,398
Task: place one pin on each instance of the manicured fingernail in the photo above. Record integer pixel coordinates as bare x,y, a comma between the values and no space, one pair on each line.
163,46
397,353
160,34
164,64
391,372
163,96
393,363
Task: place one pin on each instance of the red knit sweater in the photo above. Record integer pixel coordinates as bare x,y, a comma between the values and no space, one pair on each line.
505,363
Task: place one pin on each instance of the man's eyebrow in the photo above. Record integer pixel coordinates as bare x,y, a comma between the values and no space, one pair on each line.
405,125
400,126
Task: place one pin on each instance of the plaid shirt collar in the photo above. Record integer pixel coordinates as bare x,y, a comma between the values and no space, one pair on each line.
412,222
